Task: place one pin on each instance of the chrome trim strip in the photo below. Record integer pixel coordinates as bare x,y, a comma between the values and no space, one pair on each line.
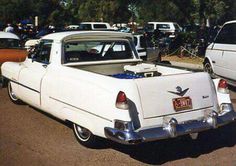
179,112
216,49
80,109
25,86
104,62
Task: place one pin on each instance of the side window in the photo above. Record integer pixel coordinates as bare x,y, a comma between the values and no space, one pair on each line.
163,26
227,34
42,54
103,26
135,40
85,27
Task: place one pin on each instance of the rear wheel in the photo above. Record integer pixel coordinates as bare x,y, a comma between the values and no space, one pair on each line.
208,69
12,95
84,136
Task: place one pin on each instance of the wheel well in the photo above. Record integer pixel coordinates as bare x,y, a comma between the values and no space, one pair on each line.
3,81
206,60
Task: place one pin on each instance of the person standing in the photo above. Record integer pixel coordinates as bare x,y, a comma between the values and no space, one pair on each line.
9,28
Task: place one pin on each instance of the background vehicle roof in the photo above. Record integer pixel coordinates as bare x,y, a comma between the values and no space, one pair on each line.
161,22
86,35
94,23
229,22
8,35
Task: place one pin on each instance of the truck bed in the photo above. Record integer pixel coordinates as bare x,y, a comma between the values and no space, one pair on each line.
131,70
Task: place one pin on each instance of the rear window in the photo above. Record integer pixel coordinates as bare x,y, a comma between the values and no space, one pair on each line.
100,26
9,43
84,51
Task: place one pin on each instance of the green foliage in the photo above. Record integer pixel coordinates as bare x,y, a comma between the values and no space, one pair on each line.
61,12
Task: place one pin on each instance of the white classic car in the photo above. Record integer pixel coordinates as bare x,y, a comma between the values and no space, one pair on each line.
113,94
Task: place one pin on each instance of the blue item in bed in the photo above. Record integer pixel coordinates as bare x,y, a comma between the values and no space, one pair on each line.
126,76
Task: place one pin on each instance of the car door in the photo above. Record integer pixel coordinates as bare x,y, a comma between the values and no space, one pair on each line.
224,50
31,76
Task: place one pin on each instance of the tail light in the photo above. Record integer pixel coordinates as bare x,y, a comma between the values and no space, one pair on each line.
121,101
223,86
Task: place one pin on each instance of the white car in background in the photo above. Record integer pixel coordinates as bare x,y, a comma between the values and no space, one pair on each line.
94,26
30,44
140,45
220,58
170,28
72,27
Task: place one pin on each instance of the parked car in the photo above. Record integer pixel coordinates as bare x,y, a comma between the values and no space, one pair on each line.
170,28
113,94
72,27
10,48
141,45
220,58
94,26
30,44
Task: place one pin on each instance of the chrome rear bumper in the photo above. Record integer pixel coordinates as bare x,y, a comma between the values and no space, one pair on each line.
171,128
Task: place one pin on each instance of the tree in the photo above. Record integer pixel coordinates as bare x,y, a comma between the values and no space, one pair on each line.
60,12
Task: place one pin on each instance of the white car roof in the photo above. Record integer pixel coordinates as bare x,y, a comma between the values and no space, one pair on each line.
94,23
85,35
230,22
8,35
161,22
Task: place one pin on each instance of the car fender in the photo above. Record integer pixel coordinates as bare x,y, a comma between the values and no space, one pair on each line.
79,117
207,58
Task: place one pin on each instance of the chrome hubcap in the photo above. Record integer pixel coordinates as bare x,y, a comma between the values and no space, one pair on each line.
208,68
83,133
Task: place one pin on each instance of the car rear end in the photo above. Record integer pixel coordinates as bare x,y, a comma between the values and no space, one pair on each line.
171,106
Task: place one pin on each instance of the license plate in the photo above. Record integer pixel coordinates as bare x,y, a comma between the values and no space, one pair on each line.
182,103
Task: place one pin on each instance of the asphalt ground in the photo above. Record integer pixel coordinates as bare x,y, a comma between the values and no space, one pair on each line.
31,137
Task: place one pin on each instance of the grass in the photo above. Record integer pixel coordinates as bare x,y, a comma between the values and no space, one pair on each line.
184,59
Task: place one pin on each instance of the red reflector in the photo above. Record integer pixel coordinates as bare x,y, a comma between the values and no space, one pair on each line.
222,84
121,97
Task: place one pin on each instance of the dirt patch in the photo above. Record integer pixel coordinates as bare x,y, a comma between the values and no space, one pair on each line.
184,59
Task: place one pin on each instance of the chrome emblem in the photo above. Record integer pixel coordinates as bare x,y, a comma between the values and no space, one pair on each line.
179,90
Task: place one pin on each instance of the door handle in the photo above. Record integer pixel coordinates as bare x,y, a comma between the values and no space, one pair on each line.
213,61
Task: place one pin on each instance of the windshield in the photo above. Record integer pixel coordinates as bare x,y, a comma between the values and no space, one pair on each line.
9,43
83,51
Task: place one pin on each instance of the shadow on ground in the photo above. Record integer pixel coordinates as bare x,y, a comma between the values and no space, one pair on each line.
164,151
